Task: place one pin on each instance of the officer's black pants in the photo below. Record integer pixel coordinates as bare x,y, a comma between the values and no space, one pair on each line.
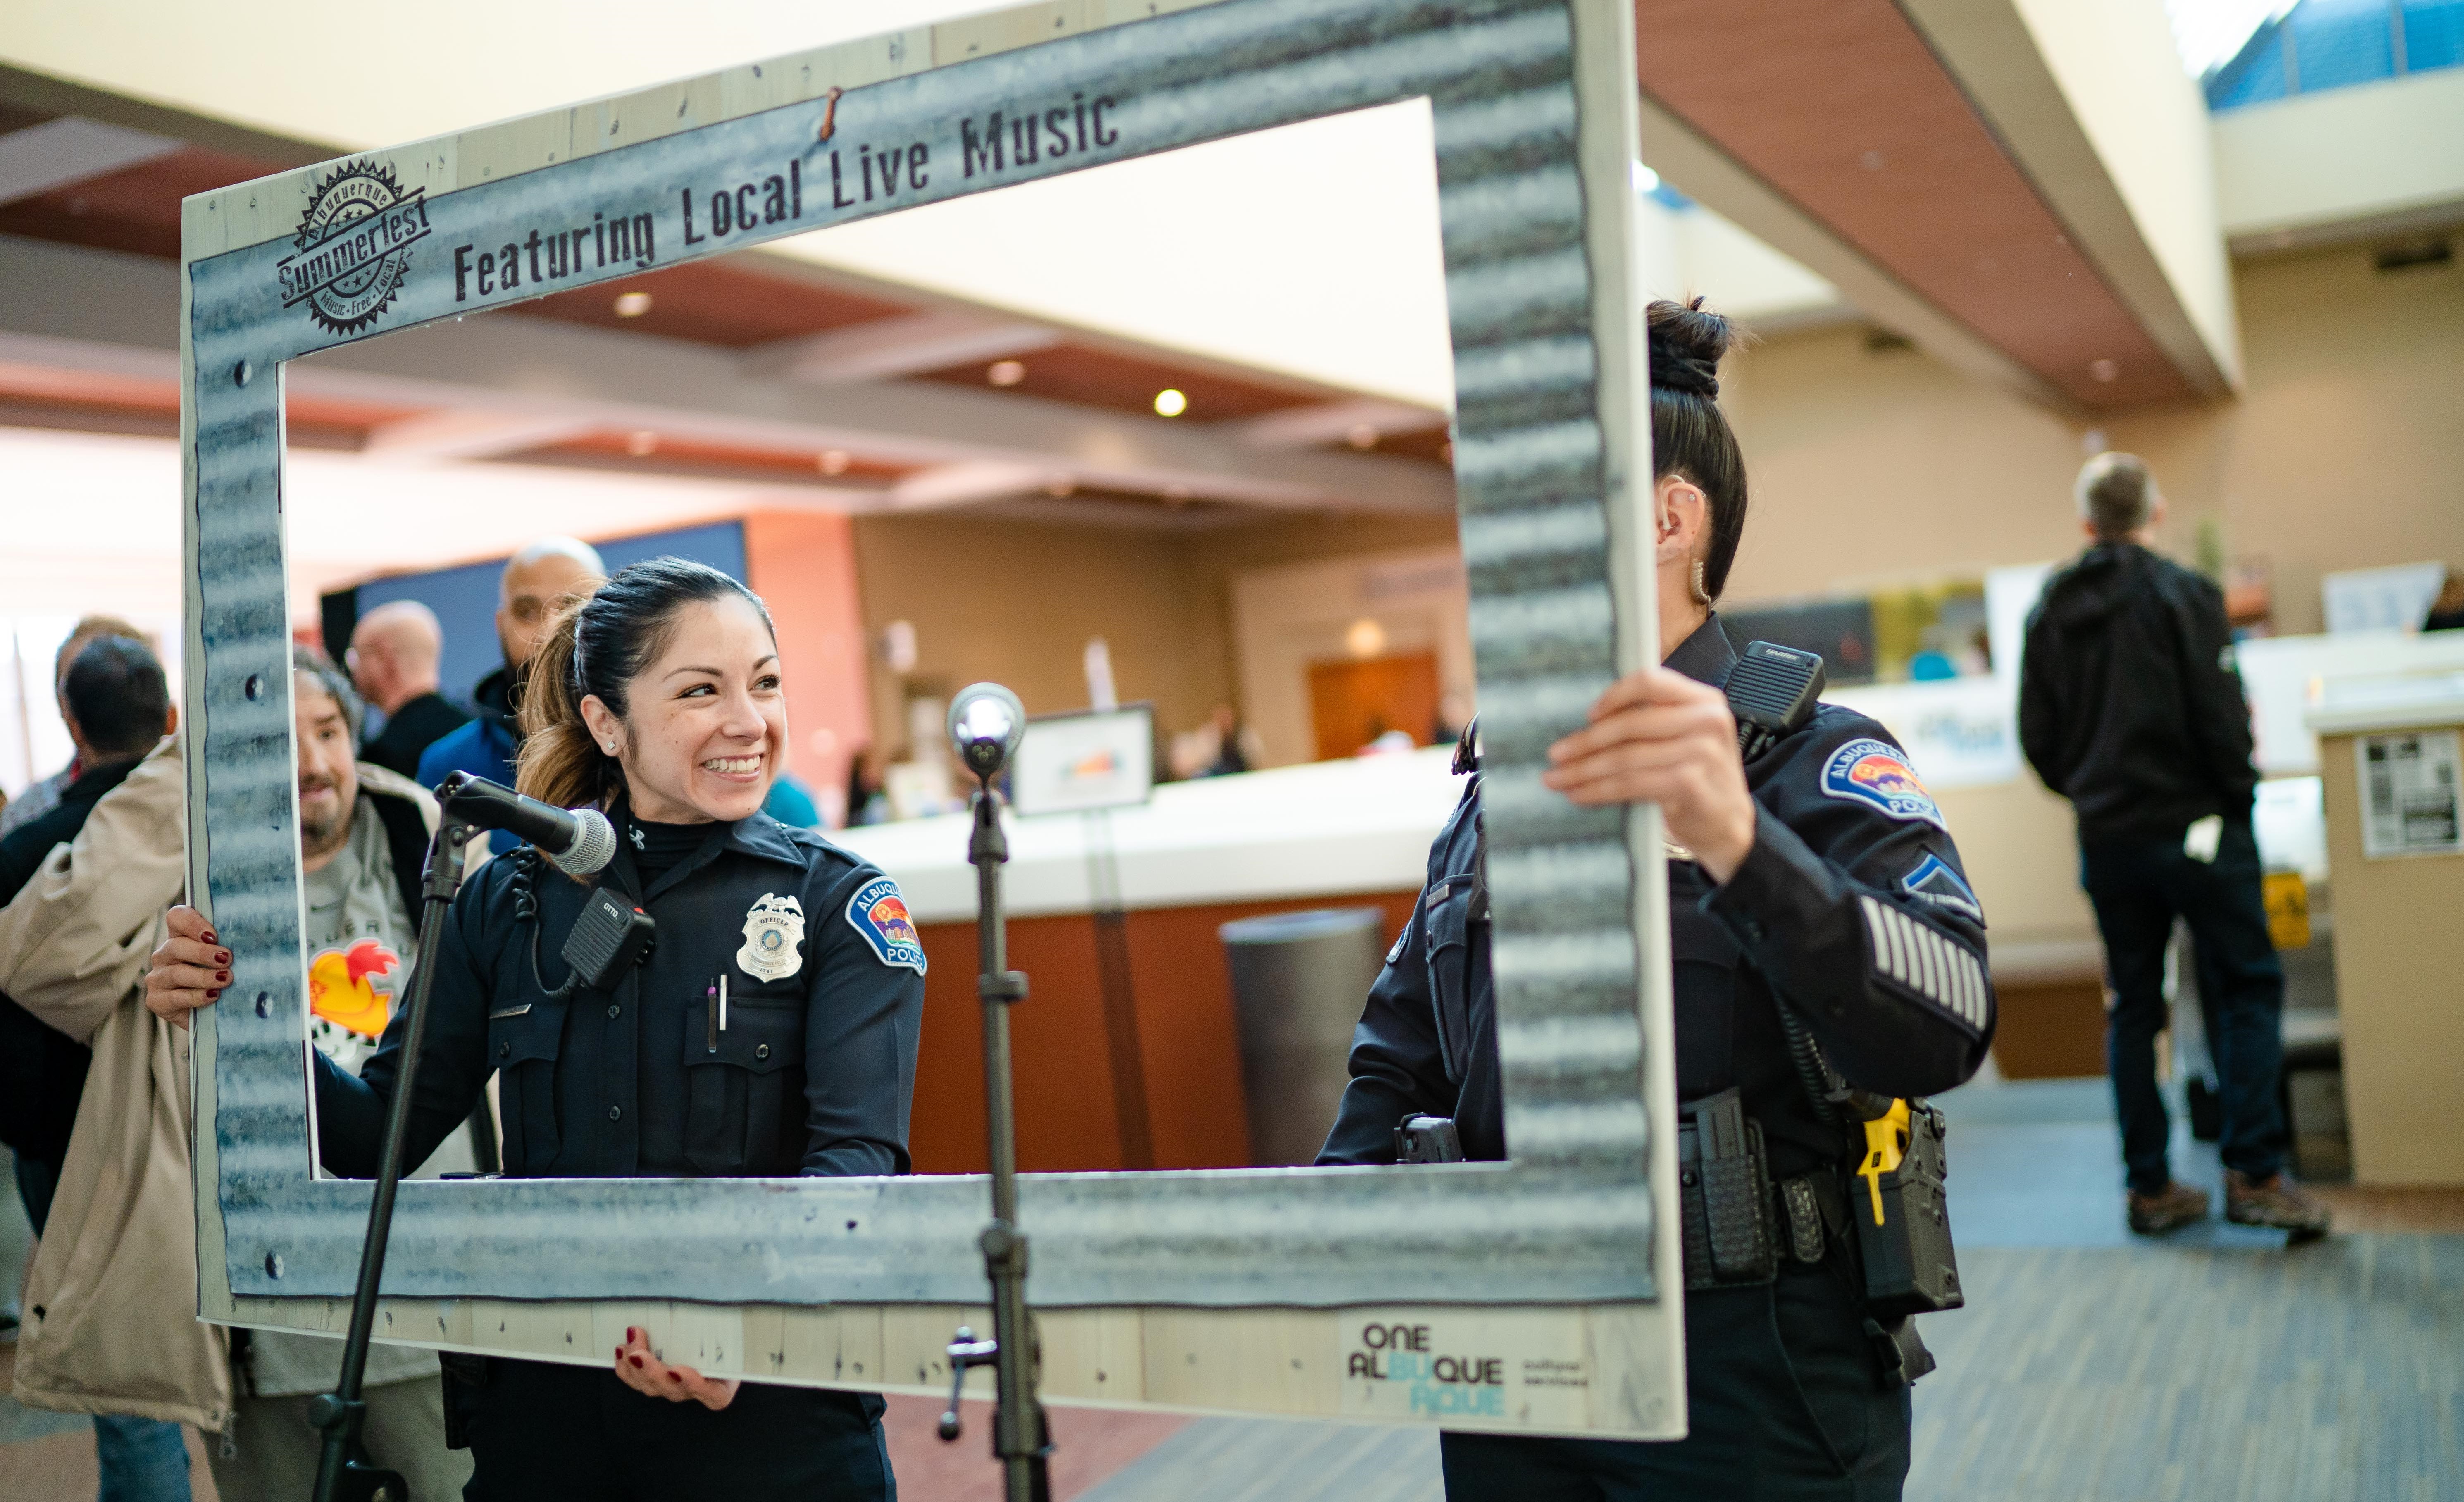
1784,1402
542,1433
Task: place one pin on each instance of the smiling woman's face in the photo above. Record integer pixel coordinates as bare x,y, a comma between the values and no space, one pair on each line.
706,720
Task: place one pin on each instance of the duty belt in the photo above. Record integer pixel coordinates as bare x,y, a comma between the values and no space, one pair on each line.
1737,1224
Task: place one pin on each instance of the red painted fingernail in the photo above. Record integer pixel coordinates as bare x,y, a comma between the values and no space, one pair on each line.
636,1361
212,995
210,938
222,957
223,975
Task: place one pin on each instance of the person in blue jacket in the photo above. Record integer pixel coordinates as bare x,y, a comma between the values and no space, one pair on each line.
1817,880
536,580
657,698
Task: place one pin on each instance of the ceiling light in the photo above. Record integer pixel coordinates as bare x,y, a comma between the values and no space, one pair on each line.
2104,370
1361,436
632,304
835,461
1059,485
1170,403
1365,639
1005,372
641,443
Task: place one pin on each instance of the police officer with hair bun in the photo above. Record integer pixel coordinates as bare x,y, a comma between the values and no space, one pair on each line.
1799,882
770,1031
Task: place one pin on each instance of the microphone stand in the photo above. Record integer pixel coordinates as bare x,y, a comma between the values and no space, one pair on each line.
1020,1442
343,1471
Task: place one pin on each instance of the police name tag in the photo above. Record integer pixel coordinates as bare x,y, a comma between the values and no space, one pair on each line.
879,914
773,928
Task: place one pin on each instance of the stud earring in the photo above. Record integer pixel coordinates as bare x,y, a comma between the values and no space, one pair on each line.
1702,596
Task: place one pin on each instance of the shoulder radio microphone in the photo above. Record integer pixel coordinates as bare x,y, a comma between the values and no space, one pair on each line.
1772,690
581,841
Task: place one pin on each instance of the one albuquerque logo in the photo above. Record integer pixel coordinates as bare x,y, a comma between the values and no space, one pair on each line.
353,249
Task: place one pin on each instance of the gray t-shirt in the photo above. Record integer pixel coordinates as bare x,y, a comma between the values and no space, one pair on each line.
360,942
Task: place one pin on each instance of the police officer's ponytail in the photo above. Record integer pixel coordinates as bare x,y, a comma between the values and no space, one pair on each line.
599,644
1689,434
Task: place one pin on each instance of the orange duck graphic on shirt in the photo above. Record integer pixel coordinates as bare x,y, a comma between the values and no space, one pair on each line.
353,988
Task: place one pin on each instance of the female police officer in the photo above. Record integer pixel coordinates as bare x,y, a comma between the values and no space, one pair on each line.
772,1030
1790,879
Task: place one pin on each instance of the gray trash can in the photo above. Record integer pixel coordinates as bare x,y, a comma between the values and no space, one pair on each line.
1299,981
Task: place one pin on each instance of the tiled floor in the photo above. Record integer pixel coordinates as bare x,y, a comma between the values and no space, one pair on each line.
2215,1364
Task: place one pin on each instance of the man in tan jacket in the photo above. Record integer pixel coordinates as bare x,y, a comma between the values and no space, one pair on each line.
111,1300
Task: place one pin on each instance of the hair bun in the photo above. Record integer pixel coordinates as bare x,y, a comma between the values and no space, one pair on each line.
1687,343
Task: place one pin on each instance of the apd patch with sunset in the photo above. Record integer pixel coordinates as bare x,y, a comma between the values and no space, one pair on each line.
879,914
1877,772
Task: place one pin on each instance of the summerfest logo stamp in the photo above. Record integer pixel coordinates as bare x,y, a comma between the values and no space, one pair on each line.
353,249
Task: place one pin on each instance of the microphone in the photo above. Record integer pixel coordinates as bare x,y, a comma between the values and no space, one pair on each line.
579,840
986,723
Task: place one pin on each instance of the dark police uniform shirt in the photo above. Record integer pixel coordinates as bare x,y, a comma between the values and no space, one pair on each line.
814,1072
1852,903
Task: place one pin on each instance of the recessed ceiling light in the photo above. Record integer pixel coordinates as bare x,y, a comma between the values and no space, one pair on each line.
641,442
1361,436
1365,639
835,461
1060,485
1005,372
632,304
2104,370
1170,403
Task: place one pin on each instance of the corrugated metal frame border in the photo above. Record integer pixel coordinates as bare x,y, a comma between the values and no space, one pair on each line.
1533,135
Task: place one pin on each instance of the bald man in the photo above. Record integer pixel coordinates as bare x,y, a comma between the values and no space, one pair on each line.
393,657
536,582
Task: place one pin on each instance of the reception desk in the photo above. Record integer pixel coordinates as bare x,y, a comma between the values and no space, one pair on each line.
2399,920
1127,1052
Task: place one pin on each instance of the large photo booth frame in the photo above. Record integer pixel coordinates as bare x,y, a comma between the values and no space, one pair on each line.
1549,1282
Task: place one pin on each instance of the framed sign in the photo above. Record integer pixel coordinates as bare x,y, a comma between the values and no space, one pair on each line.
1547,1283
1076,763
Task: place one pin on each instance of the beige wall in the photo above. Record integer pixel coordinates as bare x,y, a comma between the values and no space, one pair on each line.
1016,602
2346,451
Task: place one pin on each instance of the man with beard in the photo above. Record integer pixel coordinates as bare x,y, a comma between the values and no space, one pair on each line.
534,582
112,1296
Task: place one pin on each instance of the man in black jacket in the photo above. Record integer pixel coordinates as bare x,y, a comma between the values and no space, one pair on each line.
395,651
2130,705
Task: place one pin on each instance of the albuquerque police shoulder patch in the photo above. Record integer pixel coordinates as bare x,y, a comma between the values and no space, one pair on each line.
879,914
1878,773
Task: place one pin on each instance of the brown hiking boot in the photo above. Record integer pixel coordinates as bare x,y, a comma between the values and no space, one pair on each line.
2275,1202
2177,1205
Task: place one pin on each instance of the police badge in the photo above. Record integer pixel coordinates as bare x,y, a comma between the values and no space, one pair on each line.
773,928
